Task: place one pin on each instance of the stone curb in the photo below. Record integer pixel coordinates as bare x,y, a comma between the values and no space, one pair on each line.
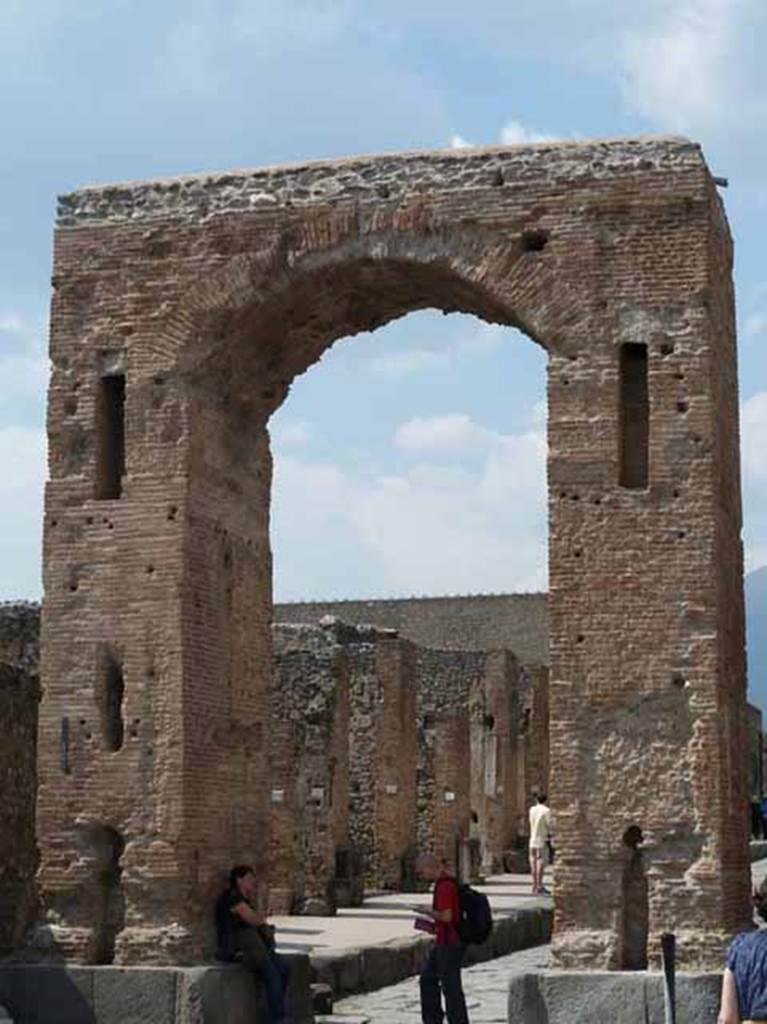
351,971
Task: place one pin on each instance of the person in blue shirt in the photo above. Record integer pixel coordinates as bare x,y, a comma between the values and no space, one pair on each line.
744,986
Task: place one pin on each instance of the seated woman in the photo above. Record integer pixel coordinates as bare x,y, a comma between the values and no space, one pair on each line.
744,986
244,934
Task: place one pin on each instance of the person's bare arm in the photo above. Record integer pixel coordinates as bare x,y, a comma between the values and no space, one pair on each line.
446,916
729,1012
250,916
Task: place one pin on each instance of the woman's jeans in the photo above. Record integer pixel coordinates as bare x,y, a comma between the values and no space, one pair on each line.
273,970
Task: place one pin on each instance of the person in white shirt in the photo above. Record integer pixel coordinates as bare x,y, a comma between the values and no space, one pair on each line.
540,831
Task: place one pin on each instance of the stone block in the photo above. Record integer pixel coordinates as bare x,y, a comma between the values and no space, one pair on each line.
384,965
322,998
222,995
41,994
583,997
134,995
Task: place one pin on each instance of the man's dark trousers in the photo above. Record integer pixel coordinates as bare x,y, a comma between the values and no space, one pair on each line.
269,966
442,973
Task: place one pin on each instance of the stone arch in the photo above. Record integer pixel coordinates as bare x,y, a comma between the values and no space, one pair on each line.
382,273
210,294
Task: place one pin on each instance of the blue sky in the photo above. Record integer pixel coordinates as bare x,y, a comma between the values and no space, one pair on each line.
412,460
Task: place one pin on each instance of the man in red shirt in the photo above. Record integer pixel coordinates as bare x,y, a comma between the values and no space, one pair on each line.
441,975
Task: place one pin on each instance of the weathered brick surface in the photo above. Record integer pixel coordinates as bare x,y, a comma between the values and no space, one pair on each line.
19,697
213,293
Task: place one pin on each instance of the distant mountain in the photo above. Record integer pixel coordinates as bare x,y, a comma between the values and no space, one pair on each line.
756,637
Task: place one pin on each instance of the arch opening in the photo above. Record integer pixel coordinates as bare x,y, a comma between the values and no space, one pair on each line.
492,435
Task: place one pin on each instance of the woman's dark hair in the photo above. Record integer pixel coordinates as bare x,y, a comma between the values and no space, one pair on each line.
760,900
239,871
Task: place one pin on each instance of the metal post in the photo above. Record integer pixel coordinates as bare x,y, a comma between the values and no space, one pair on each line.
668,957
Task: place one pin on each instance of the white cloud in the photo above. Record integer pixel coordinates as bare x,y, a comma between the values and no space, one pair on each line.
680,67
754,438
411,360
11,323
23,362
290,433
755,324
270,27
454,432
458,142
482,339
434,527
754,461
22,472
514,133
23,381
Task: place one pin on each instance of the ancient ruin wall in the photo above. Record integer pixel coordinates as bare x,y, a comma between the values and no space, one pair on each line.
496,713
536,755
470,622
445,680
382,752
19,698
182,311
309,759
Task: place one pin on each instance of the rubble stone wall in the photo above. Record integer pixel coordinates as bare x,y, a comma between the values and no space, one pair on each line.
382,752
19,699
445,683
309,759
496,708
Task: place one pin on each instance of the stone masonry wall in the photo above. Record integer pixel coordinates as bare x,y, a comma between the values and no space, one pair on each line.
201,299
469,622
19,697
496,710
445,683
382,752
536,755
309,759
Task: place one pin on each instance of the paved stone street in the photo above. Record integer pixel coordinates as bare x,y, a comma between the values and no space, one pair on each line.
388,917
486,986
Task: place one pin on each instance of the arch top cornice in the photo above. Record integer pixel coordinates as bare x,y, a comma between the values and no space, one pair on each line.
389,177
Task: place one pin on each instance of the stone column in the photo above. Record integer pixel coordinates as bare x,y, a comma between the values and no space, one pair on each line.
647,683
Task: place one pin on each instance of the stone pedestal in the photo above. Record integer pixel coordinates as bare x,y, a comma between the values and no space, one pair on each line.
635,997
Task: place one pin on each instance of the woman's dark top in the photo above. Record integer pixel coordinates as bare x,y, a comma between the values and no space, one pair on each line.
747,959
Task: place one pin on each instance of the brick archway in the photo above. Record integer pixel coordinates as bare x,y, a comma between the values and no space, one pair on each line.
182,312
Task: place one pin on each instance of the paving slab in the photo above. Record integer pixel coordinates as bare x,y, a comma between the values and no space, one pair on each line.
486,986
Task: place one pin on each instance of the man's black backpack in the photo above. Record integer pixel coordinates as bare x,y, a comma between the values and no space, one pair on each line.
476,921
